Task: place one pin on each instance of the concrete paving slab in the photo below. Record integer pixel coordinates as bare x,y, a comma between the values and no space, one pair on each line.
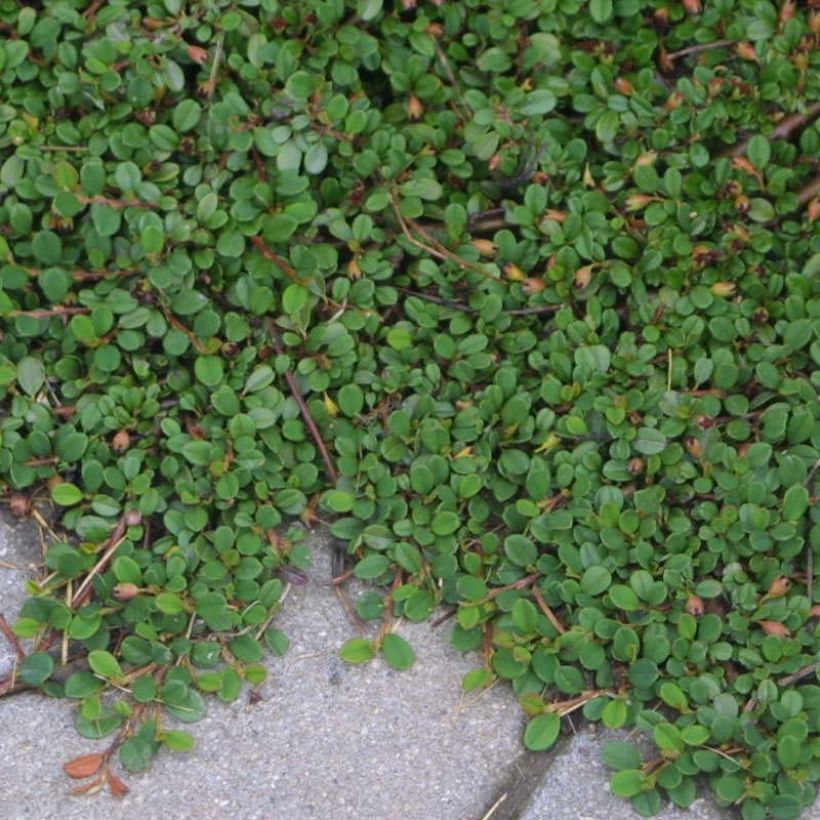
575,786
326,740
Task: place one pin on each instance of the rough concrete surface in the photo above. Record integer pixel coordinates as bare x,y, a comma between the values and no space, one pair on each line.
325,741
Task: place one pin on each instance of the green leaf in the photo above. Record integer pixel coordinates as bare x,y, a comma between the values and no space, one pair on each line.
600,10
759,151
31,375
209,370
795,503
36,668
186,115
177,741
542,732
627,782
357,650
104,664
66,495
397,652
649,441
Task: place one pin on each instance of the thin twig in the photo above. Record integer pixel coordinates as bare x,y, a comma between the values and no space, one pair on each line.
545,608
211,87
784,129
436,622
109,548
805,672
277,260
434,247
491,811
696,49
12,638
60,310
183,328
303,408
466,110
77,148
113,203
521,583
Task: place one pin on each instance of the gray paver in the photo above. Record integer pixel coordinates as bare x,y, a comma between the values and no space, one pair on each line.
327,740
575,787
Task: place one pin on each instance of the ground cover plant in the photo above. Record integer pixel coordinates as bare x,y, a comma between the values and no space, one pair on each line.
520,297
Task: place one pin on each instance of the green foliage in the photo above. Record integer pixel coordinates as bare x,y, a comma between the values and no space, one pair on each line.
545,275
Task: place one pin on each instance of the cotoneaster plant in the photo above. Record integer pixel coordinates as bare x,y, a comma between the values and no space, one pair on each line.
520,297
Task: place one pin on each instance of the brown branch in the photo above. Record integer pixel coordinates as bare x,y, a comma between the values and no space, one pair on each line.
435,248
303,408
83,592
277,260
784,129
41,462
697,49
809,191
805,672
60,310
448,69
521,583
114,203
182,328
545,608
438,300
443,618
13,640
88,275
210,85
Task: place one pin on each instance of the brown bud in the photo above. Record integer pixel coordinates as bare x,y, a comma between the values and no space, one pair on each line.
742,203
673,101
723,289
133,518
147,116
513,272
121,441
774,628
779,587
694,447
814,22
125,592
813,211
198,54
485,247
636,466
19,505
636,202
415,107
557,216
583,276
435,30
230,350
692,6
647,158
746,51
353,269
534,284
54,481
694,605
494,162
787,11
623,86
661,16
